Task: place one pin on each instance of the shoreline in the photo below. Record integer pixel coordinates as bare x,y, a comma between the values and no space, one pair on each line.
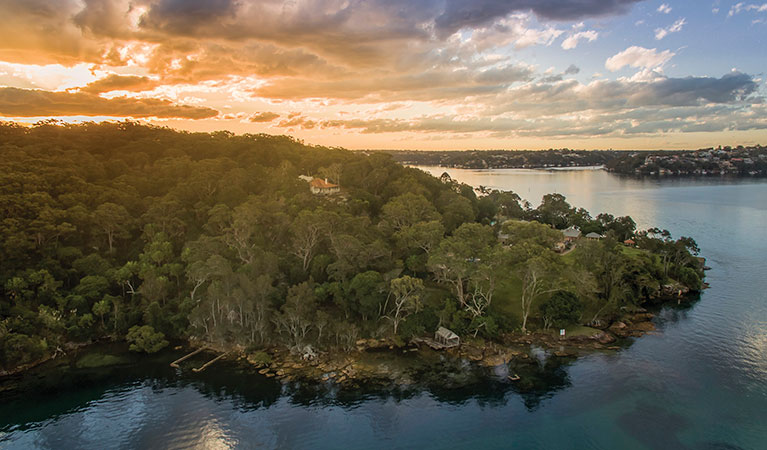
352,369
355,367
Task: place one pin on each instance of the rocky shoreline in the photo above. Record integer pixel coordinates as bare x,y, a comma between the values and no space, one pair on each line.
375,360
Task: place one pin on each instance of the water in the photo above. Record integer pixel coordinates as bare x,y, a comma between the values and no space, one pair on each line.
699,383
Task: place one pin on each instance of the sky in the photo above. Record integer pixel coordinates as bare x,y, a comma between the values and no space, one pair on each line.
398,74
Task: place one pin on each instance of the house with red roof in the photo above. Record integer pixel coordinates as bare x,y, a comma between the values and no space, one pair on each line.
322,187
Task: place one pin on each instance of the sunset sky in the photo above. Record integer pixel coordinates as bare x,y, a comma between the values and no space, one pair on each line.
415,74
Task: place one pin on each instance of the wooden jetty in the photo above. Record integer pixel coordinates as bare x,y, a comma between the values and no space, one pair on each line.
205,366
430,342
175,363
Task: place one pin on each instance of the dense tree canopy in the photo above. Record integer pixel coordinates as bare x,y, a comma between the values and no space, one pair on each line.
126,231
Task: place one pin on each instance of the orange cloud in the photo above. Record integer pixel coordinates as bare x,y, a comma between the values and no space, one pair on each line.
16,102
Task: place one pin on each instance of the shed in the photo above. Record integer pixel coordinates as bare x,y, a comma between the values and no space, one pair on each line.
447,337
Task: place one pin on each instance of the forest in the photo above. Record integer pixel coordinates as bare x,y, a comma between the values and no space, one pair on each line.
124,231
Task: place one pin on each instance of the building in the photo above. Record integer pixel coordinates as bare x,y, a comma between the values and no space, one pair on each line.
322,187
594,236
571,234
447,337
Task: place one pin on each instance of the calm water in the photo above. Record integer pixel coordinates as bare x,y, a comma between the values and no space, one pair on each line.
700,383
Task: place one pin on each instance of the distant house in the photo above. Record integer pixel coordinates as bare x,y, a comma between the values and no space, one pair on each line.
594,236
447,337
306,178
629,242
571,234
322,187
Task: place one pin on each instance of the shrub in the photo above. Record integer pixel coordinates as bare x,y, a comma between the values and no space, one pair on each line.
145,339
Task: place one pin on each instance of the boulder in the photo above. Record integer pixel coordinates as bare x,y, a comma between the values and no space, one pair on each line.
619,329
605,338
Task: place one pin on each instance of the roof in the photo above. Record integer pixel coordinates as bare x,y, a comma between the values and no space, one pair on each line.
445,333
593,235
572,232
322,184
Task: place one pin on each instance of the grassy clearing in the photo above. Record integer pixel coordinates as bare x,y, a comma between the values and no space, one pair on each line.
508,299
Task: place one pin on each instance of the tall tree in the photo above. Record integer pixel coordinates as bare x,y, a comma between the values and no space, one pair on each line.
404,299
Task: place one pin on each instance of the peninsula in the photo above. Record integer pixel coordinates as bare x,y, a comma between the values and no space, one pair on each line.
264,247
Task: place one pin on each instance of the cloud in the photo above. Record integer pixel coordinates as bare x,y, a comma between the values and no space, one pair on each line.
16,102
639,57
660,33
114,82
572,41
601,108
740,7
426,66
664,8
433,85
460,13
572,70
263,117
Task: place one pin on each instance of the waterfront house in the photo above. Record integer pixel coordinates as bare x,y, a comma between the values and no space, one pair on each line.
447,337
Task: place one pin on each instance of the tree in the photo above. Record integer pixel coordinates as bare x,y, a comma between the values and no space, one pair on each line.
531,232
407,210
540,275
423,236
145,339
307,230
405,295
114,221
609,266
296,318
102,308
459,256
367,292
554,210
561,309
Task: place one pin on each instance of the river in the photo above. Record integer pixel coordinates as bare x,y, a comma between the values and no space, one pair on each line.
700,382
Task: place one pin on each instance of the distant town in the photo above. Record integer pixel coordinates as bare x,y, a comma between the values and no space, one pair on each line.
719,161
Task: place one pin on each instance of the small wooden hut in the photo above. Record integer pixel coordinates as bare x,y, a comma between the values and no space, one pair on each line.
447,337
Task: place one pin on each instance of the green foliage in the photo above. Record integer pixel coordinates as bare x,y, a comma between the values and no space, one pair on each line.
144,232
563,308
145,339
17,349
